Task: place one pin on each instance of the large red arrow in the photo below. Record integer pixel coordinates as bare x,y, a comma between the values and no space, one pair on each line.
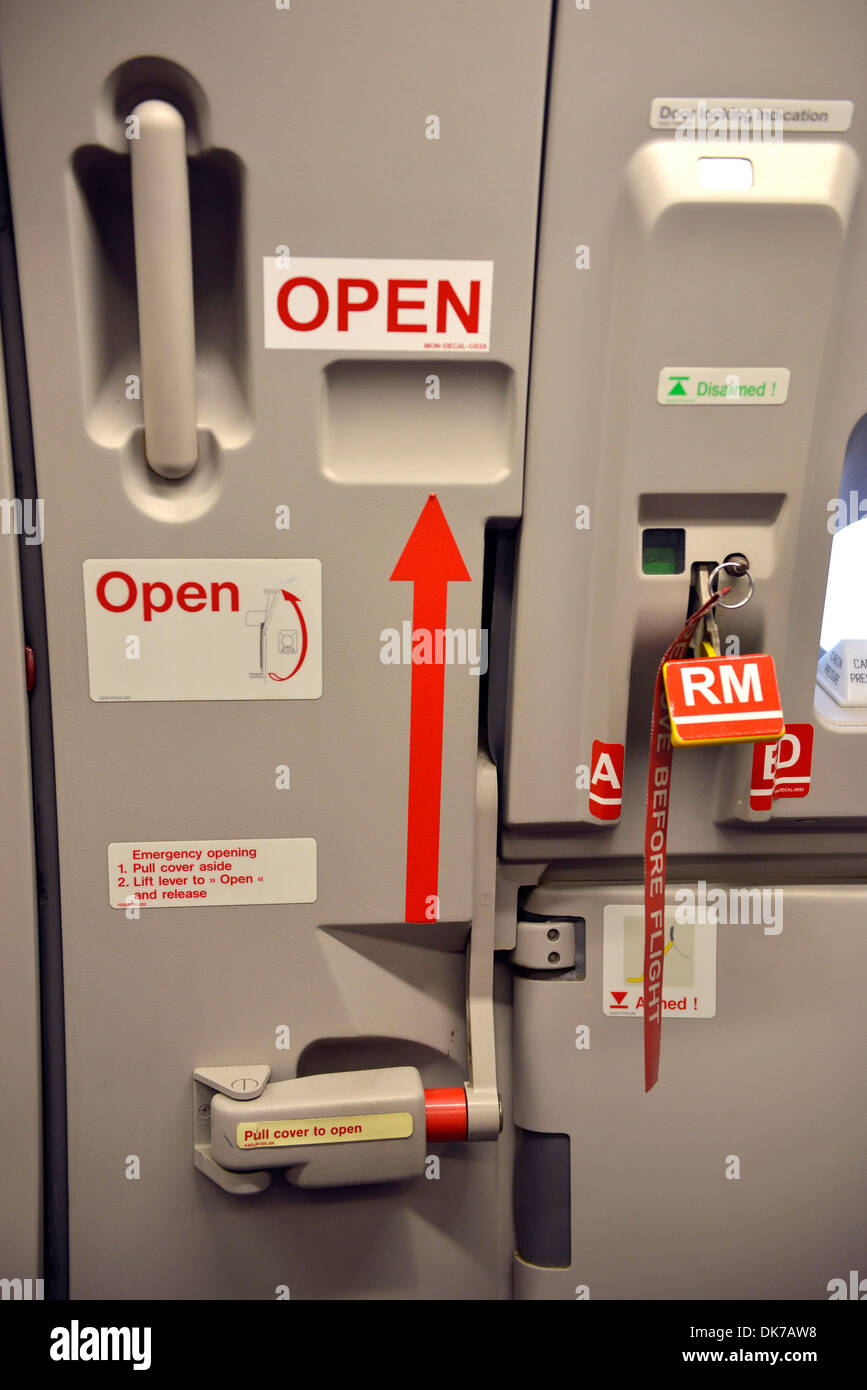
430,561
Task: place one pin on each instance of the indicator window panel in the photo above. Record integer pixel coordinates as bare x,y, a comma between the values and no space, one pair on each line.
662,550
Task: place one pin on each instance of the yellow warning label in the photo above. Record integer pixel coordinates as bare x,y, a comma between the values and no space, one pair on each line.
321,1129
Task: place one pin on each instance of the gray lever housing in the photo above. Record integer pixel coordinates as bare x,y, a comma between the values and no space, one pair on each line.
325,1131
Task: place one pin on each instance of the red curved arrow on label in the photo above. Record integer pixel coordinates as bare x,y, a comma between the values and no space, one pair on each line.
297,606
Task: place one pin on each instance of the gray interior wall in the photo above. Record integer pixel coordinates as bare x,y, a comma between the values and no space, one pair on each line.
771,276
306,129
324,125
20,1083
773,1080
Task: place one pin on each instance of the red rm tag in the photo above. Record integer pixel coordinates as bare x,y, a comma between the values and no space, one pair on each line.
724,699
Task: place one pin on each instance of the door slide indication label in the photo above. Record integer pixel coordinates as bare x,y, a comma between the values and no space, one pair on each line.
366,305
606,780
204,629
782,769
726,699
723,386
321,1129
688,967
721,115
211,873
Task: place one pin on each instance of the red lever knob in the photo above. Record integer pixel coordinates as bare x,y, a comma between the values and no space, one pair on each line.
446,1113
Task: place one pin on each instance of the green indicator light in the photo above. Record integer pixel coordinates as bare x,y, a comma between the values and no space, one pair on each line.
659,559
662,550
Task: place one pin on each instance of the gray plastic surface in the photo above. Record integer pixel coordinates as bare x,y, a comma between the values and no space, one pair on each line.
307,135
20,1082
772,1080
336,167
771,276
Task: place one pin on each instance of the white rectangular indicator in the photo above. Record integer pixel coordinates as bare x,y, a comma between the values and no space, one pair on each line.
688,969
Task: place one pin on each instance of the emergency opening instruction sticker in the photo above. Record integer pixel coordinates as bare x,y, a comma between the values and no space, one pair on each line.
211,873
204,629
335,1129
688,967
723,386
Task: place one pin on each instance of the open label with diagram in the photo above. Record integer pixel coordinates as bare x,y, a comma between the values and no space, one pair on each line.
204,629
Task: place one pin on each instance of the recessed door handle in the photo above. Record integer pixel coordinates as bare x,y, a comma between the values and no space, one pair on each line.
164,278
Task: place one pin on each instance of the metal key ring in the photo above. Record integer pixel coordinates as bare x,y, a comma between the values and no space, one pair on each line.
731,565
